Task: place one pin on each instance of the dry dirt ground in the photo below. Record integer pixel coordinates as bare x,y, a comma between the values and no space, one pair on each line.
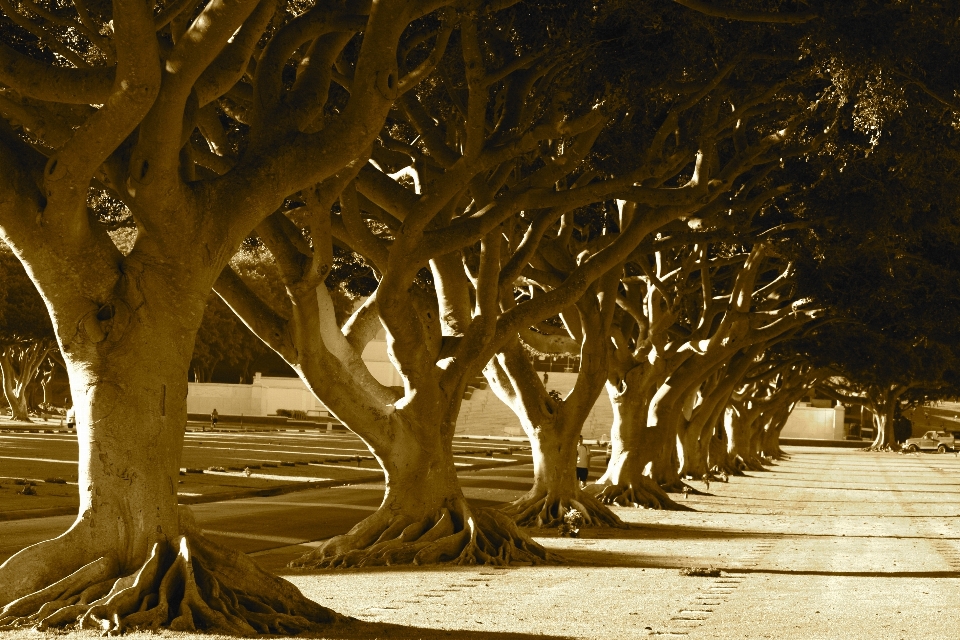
831,543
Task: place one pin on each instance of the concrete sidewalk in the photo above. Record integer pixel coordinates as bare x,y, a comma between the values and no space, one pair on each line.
832,543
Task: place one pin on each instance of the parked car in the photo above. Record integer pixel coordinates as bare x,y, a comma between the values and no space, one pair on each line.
939,441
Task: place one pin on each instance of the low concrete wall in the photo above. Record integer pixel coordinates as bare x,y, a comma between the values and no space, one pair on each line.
481,415
816,423
485,415
261,398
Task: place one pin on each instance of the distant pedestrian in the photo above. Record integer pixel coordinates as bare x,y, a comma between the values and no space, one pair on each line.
71,418
583,463
214,416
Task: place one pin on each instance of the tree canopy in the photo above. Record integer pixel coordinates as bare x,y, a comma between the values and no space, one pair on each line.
717,204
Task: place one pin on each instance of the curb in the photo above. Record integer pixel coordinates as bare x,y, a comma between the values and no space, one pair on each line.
226,496
810,442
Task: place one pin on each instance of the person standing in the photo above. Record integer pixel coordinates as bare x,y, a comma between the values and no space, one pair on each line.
71,417
583,463
214,416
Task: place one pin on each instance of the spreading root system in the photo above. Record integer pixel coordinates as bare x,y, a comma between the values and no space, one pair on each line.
459,536
546,509
187,584
640,492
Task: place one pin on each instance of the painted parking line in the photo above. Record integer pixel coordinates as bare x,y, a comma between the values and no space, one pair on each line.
340,466
267,476
256,536
302,450
323,505
73,462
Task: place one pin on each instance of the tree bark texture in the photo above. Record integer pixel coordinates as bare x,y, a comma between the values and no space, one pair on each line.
553,428
132,558
19,364
636,449
424,517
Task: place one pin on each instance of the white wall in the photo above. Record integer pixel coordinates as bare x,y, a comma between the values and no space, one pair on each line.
815,423
261,398
482,414
485,415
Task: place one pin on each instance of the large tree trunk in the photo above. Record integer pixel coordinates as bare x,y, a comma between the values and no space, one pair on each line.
132,558
553,428
555,489
737,426
884,410
13,391
770,438
666,414
424,517
720,462
19,366
628,480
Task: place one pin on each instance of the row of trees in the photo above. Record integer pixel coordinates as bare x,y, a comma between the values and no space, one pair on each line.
488,181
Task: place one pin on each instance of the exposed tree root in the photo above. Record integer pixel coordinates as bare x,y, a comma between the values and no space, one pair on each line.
679,486
643,493
729,467
190,585
881,448
460,536
547,510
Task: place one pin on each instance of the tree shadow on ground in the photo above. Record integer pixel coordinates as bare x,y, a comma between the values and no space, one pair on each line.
361,630
356,630
852,574
827,485
487,482
650,532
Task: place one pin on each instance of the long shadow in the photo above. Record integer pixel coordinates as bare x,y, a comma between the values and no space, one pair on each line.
805,501
827,486
495,483
654,532
830,515
852,574
361,630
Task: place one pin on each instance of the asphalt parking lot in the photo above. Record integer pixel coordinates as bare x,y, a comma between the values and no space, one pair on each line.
302,487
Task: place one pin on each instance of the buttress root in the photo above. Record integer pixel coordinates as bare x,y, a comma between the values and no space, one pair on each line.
188,584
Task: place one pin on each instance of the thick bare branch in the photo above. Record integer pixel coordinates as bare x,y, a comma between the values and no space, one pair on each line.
232,62
137,83
424,69
269,326
42,81
745,15
367,243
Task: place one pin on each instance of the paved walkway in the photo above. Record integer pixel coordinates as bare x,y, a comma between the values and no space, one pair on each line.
830,544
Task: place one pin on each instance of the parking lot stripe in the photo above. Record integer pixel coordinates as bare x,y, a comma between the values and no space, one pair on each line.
254,536
326,505
73,462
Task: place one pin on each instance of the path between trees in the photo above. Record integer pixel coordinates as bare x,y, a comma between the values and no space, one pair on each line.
829,544
832,543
